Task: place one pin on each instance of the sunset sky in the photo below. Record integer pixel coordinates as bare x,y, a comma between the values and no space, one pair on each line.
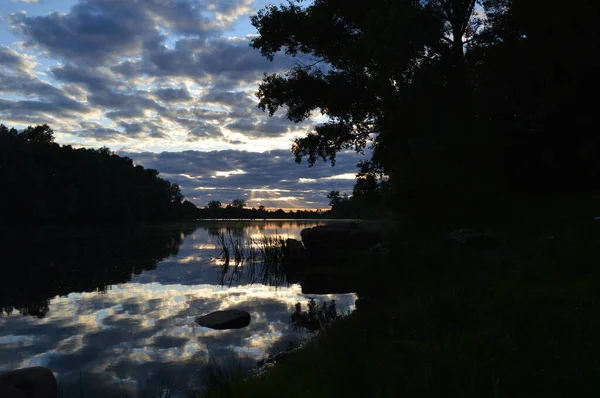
168,83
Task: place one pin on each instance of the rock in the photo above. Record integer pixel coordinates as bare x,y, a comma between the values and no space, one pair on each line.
319,283
295,253
295,260
338,243
36,382
228,319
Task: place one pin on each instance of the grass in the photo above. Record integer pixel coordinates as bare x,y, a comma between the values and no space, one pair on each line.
519,319
261,259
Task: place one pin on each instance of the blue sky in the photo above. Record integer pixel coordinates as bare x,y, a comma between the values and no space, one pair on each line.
169,83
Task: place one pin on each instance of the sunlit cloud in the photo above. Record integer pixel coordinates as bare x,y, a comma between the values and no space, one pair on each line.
229,173
345,176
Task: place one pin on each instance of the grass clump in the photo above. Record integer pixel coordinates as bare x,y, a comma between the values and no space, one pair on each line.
259,259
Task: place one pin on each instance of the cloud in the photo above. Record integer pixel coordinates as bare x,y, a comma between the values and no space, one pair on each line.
13,60
91,78
100,31
98,130
271,178
173,94
156,75
34,100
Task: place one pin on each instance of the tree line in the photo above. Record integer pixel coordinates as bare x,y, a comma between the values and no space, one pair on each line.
48,183
237,210
465,103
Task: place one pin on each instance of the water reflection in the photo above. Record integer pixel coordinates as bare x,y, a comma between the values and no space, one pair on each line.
41,263
119,305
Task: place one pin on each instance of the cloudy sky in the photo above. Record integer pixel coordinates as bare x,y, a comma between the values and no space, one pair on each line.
169,83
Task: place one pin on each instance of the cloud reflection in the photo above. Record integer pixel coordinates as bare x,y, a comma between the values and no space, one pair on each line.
138,328
137,323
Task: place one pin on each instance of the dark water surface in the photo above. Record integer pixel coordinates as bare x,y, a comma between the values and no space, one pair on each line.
118,305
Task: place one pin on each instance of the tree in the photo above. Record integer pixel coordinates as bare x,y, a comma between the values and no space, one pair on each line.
238,203
62,184
214,205
334,197
460,109
174,192
8,133
370,61
378,70
39,134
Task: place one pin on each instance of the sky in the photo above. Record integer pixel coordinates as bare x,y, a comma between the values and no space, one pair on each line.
170,84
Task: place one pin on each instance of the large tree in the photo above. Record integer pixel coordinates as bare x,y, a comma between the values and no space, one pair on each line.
370,61
461,99
392,74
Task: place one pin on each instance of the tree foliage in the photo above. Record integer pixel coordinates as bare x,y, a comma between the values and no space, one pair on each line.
461,100
46,182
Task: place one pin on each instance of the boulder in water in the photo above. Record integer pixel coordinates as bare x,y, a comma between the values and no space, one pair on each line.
228,319
36,382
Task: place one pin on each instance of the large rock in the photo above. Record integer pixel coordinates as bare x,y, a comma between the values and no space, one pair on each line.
295,260
228,319
37,382
335,244
323,283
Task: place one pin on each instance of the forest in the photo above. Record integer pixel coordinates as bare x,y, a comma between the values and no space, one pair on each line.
50,183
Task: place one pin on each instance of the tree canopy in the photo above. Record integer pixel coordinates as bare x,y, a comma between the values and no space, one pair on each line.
459,99
46,182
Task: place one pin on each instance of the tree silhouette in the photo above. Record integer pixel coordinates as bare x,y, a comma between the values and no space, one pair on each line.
460,109
238,203
214,204
62,184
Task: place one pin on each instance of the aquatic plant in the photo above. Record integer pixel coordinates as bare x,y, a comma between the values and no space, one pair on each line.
260,258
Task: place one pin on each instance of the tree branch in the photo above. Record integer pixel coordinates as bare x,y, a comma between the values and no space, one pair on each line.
308,66
447,40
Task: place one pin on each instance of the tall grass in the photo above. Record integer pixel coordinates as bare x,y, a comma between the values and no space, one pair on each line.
259,259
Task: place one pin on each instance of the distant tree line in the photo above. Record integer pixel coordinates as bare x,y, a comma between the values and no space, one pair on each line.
237,210
47,183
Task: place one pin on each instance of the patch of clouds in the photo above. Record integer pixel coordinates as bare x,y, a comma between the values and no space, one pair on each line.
181,94
96,129
260,178
153,75
9,58
100,31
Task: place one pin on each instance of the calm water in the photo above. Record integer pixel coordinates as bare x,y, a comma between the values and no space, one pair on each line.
118,304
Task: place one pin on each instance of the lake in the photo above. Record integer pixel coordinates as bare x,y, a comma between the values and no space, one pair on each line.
115,307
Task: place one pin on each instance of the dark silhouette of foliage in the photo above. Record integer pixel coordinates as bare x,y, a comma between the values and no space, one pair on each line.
314,318
213,210
459,110
53,183
238,203
214,204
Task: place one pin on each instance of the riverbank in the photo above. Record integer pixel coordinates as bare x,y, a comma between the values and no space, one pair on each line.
512,312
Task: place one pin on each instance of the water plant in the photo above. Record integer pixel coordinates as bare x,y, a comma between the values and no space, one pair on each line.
260,258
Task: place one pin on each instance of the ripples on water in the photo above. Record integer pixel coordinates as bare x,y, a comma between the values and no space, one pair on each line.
118,305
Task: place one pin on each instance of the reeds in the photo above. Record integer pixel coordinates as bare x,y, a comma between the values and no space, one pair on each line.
260,259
